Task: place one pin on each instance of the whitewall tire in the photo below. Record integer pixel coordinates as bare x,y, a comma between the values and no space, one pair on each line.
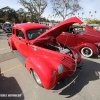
87,52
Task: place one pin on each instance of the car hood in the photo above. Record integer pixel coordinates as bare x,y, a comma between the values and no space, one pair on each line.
59,28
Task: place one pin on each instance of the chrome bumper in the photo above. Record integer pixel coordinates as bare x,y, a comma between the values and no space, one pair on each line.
66,82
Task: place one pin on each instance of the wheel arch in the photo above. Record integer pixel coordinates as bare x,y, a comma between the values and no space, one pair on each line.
92,46
40,66
11,44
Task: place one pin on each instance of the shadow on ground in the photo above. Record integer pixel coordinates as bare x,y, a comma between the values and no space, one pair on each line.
10,89
89,72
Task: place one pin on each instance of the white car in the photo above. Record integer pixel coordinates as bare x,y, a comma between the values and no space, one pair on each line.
7,27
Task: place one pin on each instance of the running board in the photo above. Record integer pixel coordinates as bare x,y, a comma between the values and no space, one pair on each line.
20,57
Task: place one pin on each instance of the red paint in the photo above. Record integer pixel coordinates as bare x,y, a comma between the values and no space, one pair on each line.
41,53
88,38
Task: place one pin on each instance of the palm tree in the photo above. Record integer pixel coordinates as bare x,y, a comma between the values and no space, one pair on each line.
78,14
82,14
89,14
95,12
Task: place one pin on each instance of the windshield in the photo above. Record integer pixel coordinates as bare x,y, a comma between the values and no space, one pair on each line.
79,30
34,33
7,25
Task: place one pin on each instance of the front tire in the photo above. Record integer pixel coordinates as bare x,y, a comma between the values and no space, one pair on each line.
36,77
87,52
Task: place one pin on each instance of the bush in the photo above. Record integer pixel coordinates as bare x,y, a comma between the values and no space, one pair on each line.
1,20
95,21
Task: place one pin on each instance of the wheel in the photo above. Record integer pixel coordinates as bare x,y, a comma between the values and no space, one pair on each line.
36,77
87,52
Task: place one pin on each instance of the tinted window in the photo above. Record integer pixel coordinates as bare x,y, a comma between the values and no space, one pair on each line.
69,30
32,34
13,31
19,33
7,25
79,30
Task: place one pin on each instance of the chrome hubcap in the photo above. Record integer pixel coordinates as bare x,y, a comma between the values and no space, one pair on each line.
87,51
37,78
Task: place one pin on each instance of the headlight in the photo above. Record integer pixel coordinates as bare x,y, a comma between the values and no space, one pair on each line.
99,44
60,69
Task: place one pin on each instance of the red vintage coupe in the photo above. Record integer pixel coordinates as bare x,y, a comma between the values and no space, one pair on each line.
47,59
83,38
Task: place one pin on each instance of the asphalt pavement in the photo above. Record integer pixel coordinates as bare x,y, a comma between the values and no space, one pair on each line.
16,83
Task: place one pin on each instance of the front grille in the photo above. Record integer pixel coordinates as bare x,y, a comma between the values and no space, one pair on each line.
69,63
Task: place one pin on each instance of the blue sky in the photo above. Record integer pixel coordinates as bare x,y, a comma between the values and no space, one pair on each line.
88,5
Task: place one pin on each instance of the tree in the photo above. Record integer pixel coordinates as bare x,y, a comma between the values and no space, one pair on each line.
5,12
94,21
89,14
65,8
82,13
34,7
95,12
8,14
21,14
1,20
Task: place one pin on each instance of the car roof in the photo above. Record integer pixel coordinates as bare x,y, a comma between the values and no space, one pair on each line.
7,23
28,26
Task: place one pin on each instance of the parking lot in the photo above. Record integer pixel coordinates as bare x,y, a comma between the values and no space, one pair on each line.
16,80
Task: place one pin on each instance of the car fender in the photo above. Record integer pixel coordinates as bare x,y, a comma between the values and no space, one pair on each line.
42,67
92,46
74,52
11,44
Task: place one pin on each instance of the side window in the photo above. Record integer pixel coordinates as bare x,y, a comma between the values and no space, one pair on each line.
70,30
79,30
4,25
32,34
19,33
13,31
